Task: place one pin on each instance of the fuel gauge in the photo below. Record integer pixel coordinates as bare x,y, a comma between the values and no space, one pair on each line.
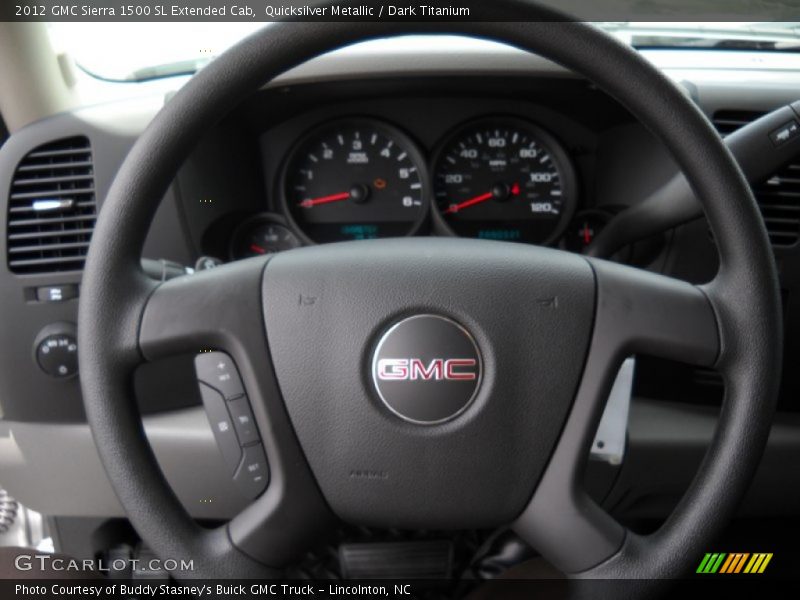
264,234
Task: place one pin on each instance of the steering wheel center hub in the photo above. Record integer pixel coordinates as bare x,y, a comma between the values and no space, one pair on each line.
427,369
415,361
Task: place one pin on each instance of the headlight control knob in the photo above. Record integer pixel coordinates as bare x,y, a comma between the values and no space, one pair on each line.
56,350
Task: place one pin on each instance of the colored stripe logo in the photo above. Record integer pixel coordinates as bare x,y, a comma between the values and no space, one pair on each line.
733,563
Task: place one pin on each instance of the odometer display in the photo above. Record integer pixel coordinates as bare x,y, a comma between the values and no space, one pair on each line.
356,179
504,179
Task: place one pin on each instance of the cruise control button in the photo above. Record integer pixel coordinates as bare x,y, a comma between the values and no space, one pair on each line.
243,421
222,426
785,132
218,370
253,473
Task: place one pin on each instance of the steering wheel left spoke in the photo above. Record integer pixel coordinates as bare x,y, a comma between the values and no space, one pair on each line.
220,310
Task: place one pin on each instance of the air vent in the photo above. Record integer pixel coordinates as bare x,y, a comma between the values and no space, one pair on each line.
52,208
728,121
778,196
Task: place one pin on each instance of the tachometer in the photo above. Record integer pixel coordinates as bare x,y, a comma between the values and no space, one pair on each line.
504,179
356,179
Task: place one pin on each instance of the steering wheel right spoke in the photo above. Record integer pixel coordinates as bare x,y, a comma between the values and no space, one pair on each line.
636,312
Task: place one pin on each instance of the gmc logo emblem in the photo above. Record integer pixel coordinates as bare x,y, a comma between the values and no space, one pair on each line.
439,369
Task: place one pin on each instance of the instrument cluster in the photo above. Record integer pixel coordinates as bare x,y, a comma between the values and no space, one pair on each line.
497,178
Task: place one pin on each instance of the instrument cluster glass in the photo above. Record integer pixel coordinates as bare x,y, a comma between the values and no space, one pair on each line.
498,178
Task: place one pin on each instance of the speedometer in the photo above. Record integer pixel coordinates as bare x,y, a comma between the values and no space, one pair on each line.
356,179
504,179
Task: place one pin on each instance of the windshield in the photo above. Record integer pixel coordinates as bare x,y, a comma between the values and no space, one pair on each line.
782,36
139,51
131,52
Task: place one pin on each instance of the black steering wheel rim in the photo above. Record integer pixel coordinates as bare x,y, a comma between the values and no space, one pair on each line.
744,295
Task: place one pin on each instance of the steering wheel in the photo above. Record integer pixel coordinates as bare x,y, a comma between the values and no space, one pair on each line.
334,343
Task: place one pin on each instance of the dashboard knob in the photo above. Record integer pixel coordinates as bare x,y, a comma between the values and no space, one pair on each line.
56,350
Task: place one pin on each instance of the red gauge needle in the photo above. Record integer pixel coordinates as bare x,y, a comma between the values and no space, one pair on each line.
308,203
454,208
587,234
257,249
